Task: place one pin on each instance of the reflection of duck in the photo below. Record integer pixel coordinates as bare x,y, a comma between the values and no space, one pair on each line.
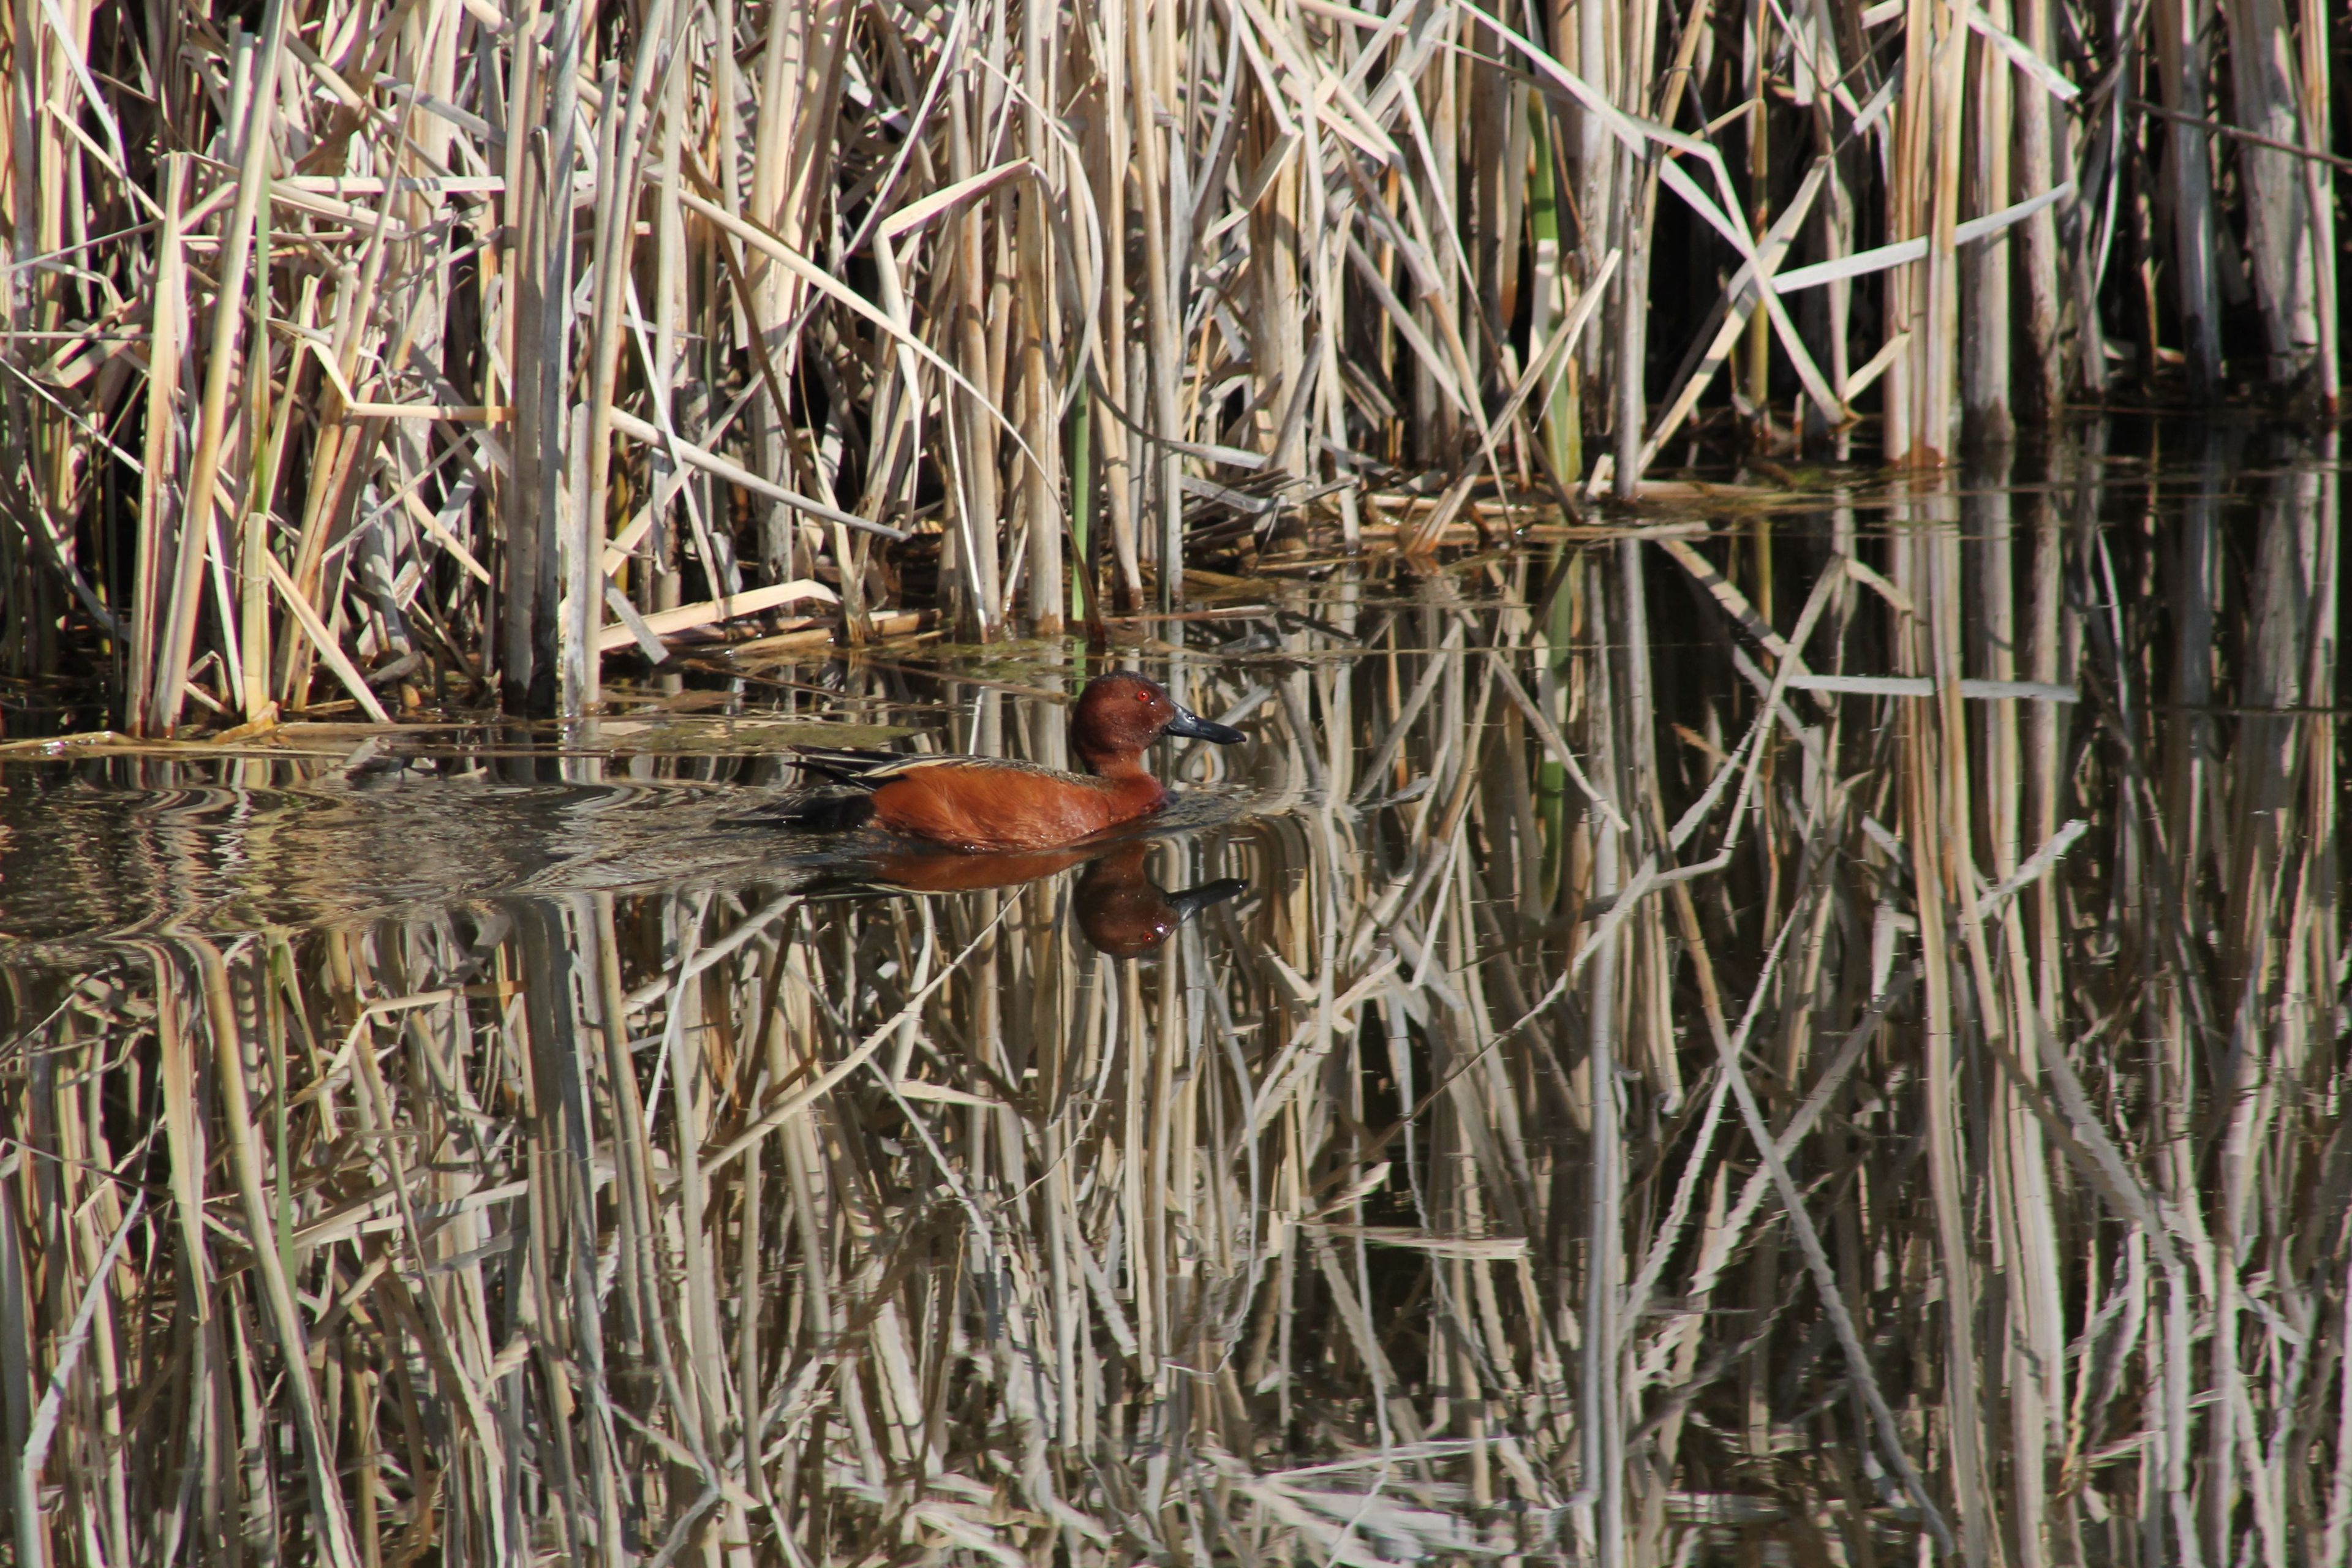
1125,913
1120,909
990,803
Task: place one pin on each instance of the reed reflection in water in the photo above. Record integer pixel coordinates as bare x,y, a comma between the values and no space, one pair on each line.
1813,1034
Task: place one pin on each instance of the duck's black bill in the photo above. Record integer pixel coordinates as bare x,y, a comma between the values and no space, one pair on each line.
1192,727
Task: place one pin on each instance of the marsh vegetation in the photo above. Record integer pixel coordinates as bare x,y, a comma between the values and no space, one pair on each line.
1788,995
1815,1037
428,356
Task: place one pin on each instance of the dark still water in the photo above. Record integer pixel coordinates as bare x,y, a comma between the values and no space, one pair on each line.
1809,1031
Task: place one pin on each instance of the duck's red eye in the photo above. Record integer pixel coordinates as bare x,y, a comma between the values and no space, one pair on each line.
1143,696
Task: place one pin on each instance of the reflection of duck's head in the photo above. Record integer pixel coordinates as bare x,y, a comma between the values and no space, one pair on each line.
1126,914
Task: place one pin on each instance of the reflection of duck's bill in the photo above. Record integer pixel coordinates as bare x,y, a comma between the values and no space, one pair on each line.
1192,900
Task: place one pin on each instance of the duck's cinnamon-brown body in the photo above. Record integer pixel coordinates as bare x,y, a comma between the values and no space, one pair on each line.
988,806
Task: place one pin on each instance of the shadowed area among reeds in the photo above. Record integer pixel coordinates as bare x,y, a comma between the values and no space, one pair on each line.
1814,1036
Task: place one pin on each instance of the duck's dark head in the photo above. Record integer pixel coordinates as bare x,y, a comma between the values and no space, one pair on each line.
1120,714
